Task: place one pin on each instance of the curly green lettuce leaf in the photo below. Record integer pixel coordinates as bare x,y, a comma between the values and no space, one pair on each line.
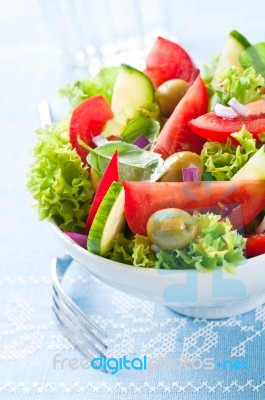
58,181
101,84
223,161
135,251
244,86
121,250
208,70
170,260
216,246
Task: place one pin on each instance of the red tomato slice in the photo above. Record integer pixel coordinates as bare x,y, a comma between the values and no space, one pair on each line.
214,128
167,60
255,245
257,107
88,120
176,135
111,174
239,201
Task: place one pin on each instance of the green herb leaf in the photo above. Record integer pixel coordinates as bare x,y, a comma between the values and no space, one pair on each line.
254,56
136,127
135,164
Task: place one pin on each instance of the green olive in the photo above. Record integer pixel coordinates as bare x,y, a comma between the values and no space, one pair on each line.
176,162
95,179
169,95
171,229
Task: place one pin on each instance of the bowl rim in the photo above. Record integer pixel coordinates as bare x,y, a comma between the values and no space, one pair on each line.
151,271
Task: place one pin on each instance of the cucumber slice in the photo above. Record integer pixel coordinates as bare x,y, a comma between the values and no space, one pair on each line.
235,44
132,90
240,39
108,221
254,169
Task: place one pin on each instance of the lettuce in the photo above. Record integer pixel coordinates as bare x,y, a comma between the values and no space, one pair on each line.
244,86
215,246
135,251
101,84
209,69
57,180
224,160
169,260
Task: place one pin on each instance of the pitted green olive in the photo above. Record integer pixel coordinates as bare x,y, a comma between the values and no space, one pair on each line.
176,162
169,95
95,179
171,229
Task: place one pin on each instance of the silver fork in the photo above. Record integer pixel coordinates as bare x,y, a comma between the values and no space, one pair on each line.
85,335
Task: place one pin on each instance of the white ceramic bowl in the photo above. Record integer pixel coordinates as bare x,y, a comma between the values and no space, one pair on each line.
189,292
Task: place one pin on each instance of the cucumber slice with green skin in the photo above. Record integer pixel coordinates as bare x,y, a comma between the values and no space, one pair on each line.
254,169
109,220
240,38
132,90
234,46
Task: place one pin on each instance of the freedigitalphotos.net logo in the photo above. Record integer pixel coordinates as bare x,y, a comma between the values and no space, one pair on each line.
114,365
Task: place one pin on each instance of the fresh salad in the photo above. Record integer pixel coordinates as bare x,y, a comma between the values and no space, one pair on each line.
162,168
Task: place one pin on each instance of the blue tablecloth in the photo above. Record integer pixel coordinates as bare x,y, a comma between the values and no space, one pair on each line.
37,358
31,68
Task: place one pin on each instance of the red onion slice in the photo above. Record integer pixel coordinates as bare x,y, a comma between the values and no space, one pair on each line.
224,111
79,238
238,107
99,140
191,174
141,141
155,248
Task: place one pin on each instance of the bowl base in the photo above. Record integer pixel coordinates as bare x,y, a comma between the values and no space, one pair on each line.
221,311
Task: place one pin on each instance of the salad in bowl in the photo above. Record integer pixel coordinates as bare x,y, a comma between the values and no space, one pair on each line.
155,181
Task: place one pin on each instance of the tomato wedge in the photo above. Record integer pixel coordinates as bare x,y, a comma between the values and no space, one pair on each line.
239,201
255,245
111,174
214,128
256,107
88,120
168,60
176,135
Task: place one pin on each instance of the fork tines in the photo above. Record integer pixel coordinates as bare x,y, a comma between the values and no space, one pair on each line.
79,329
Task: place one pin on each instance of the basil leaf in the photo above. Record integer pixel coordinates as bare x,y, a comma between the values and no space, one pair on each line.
135,164
254,56
136,127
